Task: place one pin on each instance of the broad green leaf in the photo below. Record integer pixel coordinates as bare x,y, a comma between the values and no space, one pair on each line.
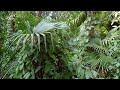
88,74
23,71
82,73
116,77
17,70
24,57
94,73
53,56
21,66
33,74
118,64
19,60
11,76
37,69
47,67
117,71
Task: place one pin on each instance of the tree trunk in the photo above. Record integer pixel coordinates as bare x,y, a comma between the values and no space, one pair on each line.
12,21
91,32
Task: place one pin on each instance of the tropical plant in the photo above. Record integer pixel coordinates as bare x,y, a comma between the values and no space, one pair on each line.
62,45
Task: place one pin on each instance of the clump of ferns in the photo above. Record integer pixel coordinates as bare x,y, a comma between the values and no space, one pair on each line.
96,61
99,49
93,54
107,47
108,44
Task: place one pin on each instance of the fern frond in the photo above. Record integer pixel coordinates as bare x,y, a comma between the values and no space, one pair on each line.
107,41
105,60
79,20
96,48
101,49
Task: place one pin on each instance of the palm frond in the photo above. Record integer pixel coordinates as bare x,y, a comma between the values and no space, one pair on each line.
44,37
32,41
44,26
96,48
18,42
38,37
24,41
51,39
13,40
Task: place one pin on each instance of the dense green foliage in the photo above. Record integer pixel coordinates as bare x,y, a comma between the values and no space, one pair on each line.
59,45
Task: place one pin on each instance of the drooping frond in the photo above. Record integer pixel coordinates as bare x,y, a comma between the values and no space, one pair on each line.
96,48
